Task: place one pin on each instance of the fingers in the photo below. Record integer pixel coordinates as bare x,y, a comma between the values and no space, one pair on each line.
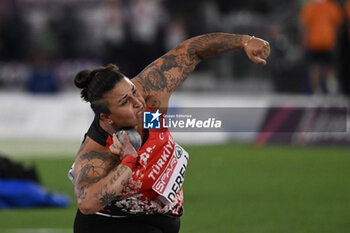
114,150
116,147
258,60
258,57
125,136
128,148
258,51
116,141
122,149
266,49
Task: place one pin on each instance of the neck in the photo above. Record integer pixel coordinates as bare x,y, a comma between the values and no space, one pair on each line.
107,127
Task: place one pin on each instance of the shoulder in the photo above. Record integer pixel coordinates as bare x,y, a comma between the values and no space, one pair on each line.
95,140
90,145
93,158
97,134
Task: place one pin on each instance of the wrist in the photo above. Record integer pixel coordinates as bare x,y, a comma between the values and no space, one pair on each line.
245,40
130,161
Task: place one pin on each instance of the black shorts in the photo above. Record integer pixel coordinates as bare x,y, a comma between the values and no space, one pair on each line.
134,224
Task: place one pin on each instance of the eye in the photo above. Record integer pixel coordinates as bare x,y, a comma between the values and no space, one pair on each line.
134,92
125,102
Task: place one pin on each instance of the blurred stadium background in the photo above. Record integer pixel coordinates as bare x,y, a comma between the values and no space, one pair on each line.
237,182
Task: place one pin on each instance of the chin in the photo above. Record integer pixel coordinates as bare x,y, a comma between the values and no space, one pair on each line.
140,120
139,116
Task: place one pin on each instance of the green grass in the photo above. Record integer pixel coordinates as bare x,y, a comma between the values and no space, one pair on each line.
53,174
232,188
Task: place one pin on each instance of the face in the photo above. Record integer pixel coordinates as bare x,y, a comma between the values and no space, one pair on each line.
126,105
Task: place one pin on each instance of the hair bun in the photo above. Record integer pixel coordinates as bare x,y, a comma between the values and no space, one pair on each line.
83,78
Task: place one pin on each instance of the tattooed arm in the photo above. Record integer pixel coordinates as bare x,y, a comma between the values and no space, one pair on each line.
162,77
99,177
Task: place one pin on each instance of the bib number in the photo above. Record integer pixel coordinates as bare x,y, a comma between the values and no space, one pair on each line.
171,180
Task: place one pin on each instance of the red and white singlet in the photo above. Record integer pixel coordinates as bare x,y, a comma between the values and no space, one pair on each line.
156,184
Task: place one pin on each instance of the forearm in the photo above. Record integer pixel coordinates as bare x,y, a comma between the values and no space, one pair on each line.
163,76
93,196
208,45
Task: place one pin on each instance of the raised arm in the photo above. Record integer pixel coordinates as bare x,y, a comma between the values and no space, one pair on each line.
162,77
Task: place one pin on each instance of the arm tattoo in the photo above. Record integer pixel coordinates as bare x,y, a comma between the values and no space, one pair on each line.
153,102
107,192
155,80
105,195
123,182
167,73
119,171
169,62
95,166
103,156
212,44
81,192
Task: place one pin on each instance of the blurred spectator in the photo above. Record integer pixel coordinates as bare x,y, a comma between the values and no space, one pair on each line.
345,50
347,12
347,21
320,21
68,32
132,33
190,12
175,33
14,35
147,19
114,34
211,16
49,40
43,78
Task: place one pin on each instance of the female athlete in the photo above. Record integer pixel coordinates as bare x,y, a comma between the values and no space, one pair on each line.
124,187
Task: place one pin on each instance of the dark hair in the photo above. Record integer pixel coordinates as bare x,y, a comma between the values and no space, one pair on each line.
95,84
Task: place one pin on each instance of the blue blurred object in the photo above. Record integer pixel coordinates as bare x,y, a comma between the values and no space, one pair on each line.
42,80
22,193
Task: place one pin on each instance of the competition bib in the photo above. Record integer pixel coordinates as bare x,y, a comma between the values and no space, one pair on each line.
170,181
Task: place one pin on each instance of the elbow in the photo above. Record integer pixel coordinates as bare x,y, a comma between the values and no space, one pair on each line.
86,204
86,211
87,208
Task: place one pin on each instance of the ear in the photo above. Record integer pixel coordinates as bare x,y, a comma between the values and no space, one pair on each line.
105,117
